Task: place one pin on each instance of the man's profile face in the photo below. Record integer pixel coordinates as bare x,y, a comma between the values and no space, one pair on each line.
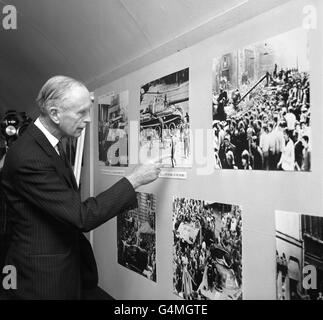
76,113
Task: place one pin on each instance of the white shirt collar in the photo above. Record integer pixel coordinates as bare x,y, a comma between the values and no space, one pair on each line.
52,140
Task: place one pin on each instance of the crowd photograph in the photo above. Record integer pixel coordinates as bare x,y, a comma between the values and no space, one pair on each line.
261,106
113,129
299,260
207,250
164,120
136,237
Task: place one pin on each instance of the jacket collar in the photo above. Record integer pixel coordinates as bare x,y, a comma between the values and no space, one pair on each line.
42,141
52,139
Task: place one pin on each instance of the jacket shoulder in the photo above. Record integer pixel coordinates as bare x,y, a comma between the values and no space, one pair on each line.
22,152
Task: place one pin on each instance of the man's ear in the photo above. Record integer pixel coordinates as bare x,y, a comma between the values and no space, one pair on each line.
54,114
92,97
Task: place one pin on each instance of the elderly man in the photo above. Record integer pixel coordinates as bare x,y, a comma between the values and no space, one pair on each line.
53,258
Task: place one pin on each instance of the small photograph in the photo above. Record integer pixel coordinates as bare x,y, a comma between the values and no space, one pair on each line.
164,120
207,250
113,129
136,233
261,105
299,256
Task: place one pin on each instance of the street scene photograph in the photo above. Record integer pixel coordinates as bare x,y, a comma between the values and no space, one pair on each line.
299,260
164,120
113,129
207,250
136,233
261,105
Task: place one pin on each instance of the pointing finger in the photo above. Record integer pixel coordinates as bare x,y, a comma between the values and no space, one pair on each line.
161,165
157,160
160,159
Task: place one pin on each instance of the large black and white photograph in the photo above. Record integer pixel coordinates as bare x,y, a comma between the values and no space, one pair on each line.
261,105
207,250
113,129
164,120
299,256
136,233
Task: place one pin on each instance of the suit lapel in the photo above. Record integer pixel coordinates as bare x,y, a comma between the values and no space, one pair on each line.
63,170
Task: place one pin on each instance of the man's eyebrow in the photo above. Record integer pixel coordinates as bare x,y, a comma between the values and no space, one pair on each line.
83,109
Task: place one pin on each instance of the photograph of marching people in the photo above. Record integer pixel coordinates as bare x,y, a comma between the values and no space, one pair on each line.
113,129
136,233
164,120
299,256
261,105
207,251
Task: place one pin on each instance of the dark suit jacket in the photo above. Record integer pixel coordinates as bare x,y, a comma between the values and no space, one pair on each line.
53,258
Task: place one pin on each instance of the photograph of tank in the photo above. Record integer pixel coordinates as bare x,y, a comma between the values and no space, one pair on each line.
261,105
164,120
299,256
136,233
113,129
207,250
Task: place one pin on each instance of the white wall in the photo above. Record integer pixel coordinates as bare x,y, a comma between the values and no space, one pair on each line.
259,193
289,223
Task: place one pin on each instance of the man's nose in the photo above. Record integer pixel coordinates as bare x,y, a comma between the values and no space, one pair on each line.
87,118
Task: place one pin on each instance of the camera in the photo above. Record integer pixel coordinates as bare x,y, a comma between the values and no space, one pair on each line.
13,125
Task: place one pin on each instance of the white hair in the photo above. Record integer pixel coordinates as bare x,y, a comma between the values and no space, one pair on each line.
56,91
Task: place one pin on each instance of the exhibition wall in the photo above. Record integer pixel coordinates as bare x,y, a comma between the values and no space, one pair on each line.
258,193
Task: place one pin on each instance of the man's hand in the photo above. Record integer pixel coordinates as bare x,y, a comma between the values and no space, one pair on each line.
146,173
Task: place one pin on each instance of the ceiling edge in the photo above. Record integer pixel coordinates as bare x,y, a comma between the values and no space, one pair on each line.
224,21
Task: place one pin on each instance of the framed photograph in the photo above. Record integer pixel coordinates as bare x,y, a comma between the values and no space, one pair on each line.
136,233
261,105
207,250
113,129
164,120
299,256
